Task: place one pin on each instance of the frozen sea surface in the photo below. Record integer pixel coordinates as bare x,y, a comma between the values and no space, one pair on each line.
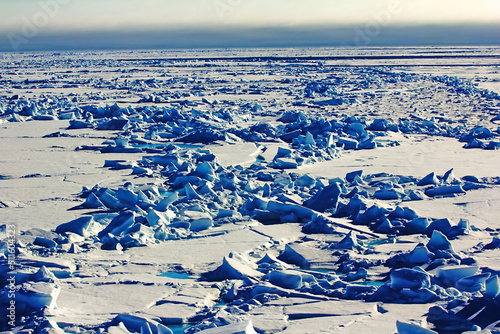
251,190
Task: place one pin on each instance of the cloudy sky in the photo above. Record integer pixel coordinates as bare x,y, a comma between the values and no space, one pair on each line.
46,24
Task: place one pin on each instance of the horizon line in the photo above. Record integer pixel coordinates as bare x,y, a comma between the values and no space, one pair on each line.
255,37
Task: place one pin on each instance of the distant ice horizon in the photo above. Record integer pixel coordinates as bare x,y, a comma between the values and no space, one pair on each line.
371,34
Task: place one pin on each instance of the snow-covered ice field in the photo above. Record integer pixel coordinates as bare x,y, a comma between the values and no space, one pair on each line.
312,190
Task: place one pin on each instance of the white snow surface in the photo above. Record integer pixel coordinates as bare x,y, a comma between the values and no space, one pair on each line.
251,190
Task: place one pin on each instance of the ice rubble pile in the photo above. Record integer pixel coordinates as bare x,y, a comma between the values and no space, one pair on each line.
186,124
34,291
199,193
429,273
464,86
211,196
248,282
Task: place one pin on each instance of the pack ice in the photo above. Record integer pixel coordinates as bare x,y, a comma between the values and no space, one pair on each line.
250,193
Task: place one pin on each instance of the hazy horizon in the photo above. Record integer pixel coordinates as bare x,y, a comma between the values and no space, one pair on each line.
44,25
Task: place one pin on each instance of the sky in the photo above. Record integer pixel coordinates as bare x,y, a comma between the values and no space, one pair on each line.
80,24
